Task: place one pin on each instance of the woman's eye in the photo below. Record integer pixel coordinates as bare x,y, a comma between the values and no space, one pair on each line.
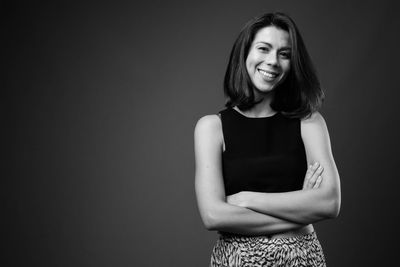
263,49
285,55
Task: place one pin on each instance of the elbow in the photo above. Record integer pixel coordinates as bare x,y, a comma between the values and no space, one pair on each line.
330,204
209,224
211,221
332,208
210,227
336,209
214,216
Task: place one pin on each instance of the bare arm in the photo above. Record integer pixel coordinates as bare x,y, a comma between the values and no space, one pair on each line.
215,212
303,206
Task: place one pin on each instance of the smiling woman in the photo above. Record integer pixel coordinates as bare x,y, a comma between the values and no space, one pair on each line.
264,167
268,61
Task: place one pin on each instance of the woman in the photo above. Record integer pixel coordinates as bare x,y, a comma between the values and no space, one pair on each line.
264,166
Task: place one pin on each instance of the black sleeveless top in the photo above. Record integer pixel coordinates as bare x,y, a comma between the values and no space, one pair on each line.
262,154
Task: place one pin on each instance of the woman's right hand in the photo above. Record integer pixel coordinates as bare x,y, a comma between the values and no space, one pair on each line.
313,177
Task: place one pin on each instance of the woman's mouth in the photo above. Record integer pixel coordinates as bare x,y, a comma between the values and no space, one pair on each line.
268,75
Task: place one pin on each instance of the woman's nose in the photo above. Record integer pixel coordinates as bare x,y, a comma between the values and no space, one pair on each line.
272,59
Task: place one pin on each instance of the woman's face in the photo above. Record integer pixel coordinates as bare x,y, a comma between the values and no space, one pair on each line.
268,61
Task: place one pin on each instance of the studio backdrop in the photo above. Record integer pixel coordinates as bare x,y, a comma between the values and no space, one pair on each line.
101,100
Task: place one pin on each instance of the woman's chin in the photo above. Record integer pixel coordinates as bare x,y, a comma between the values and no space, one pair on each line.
265,89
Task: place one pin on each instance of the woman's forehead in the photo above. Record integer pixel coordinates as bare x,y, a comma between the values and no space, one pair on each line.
273,36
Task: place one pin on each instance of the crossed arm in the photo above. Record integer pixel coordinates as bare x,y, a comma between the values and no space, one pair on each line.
303,206
216,212
252,213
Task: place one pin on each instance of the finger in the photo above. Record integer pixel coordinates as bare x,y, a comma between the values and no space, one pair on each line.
315,175
315,166
309,174
318,182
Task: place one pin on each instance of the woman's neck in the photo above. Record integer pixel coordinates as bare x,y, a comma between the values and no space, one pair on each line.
261,109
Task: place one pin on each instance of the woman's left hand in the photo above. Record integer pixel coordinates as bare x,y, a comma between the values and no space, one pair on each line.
313,176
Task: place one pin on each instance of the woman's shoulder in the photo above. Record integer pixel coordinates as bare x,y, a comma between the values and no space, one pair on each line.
208,131
209,123
314,118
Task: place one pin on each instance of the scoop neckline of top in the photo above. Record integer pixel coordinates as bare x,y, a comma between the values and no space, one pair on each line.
255,118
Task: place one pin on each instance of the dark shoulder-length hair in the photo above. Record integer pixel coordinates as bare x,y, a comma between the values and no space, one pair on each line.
298,96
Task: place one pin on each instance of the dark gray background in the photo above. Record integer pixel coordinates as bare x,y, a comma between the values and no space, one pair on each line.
102,99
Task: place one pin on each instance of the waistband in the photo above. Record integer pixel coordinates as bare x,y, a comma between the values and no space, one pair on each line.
307,231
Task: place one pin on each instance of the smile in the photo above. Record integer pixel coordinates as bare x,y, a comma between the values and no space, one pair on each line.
267,74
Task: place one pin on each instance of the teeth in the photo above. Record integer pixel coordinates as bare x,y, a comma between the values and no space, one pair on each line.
267,74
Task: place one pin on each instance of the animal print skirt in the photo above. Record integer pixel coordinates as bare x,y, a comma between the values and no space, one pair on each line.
245,251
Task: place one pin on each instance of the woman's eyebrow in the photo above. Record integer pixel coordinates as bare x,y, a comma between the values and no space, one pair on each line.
261,42
270,45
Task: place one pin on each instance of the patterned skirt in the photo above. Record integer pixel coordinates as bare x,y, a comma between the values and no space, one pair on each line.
242,251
